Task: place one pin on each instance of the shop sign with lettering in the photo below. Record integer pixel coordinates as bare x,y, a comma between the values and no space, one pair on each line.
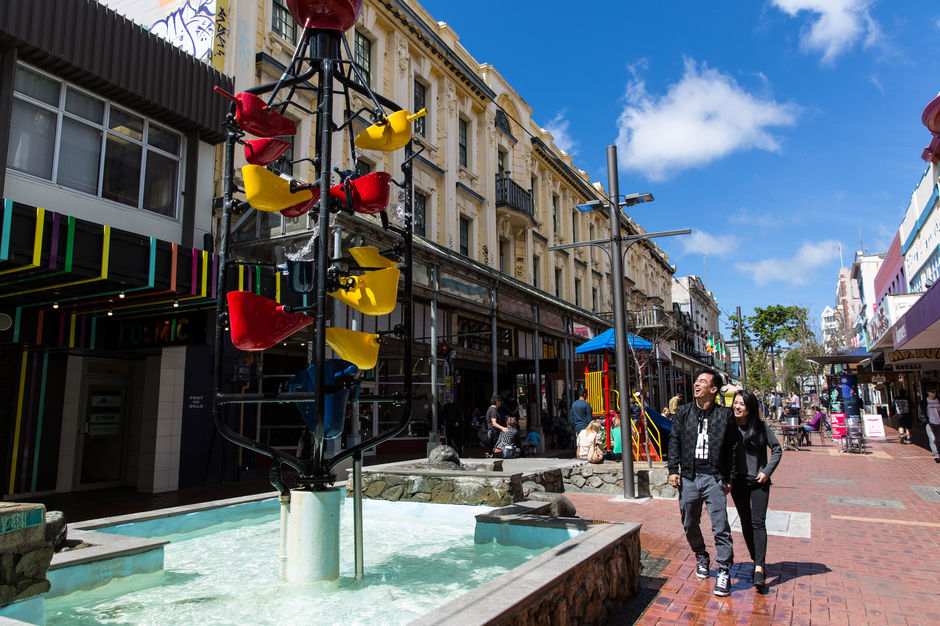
155,332
920,355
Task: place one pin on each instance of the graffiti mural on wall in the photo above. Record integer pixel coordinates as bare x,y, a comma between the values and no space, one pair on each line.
191,29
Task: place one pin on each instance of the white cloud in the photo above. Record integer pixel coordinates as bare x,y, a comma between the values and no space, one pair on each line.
703,117
762,221
937,23
701,242
793,271
558,127
877,83
836,25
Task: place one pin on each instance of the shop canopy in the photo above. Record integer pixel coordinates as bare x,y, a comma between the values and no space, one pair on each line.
919,327
857,356
607,341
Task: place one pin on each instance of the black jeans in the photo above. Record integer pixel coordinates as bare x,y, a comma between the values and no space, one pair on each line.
750,499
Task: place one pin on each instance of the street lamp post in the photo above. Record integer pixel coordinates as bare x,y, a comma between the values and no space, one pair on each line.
615,242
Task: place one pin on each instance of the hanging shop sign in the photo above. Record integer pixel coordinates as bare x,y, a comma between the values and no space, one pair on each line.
579,330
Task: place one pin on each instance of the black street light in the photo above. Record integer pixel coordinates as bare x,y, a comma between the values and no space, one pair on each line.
616,252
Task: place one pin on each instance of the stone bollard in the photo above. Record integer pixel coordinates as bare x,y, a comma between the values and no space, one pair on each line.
24,554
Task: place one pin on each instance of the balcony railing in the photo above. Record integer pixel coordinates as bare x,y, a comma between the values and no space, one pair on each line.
651,317
512,195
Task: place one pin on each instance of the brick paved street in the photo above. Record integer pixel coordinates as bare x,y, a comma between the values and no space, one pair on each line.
873,555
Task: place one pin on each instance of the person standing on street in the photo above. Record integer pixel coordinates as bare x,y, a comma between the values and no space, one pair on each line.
453,424
581,413
778,405
902,408
493,421
701,457
794,403
751,482
930,408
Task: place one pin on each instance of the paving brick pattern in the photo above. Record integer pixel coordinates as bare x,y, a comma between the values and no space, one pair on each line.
859,565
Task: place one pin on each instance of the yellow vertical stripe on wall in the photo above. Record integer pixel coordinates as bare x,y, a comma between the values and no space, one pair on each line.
19,423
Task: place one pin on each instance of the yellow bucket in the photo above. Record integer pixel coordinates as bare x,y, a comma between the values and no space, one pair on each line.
367,256
373,293
266,191
393,134
360,349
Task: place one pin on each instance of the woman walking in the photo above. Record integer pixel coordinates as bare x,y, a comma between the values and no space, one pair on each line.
750,488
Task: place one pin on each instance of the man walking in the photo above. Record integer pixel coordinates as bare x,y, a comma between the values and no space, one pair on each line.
581,413
701,454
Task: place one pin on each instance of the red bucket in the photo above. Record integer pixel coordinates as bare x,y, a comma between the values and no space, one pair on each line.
369,194
256,118
265,151
329,14
302,207
256,322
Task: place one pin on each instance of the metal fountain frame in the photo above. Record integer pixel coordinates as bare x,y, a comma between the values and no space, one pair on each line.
320,49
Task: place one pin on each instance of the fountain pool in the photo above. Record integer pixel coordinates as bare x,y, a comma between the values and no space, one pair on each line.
418,557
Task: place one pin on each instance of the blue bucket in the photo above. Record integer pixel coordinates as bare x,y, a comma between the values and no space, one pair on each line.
305,380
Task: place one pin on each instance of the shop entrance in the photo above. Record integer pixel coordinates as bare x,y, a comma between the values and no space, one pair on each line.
104,423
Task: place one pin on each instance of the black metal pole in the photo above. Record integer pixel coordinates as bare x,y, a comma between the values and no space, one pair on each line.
623,366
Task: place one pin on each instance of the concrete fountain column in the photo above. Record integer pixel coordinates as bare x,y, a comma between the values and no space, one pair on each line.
313,535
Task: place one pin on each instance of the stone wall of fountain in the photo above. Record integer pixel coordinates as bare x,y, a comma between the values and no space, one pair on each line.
25,553
608,478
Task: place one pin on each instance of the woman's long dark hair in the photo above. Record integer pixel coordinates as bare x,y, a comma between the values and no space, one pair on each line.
754,436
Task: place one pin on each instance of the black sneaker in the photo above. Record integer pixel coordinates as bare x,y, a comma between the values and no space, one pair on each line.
702,565
758,578
723,584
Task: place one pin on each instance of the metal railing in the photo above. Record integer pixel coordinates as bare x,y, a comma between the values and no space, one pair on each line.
513,196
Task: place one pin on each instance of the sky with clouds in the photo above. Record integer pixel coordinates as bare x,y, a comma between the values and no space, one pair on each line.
785,133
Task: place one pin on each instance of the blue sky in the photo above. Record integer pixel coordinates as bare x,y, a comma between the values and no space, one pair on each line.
775,129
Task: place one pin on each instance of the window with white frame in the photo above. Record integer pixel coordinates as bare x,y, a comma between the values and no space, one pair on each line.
362,51
462,143
282,22
421,98
74,139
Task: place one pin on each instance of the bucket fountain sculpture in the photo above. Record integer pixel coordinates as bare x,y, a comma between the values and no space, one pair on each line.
362,278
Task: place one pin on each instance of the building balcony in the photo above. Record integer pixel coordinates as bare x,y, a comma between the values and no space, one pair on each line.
514,203
651,317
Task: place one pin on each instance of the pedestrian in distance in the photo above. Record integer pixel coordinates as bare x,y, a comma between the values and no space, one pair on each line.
701,457
930,410
453,424
493,420
581,412
673,405
750,488
902,408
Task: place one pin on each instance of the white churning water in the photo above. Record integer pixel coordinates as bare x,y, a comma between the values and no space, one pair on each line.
417,558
